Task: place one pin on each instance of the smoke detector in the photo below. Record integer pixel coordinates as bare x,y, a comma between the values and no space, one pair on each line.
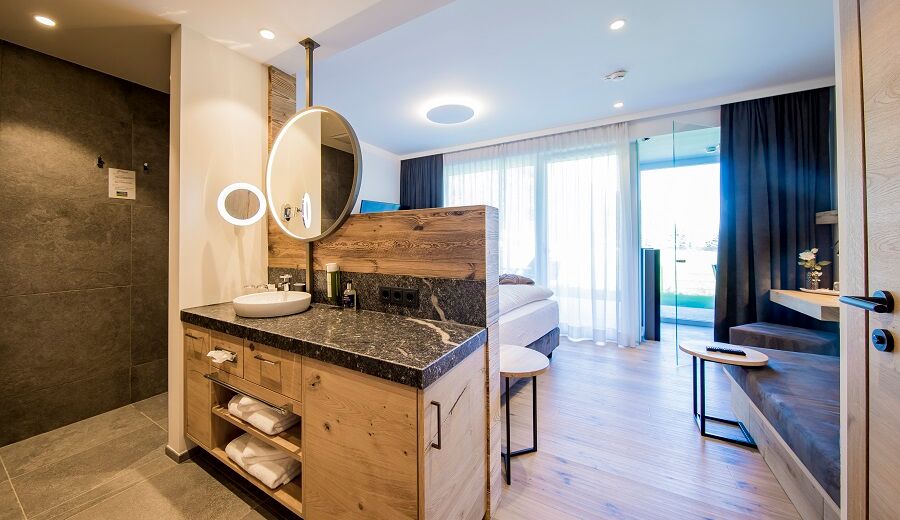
618,75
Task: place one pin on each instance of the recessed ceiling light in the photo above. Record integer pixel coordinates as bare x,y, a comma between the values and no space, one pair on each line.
43,20
618,104
451,110
450,114
617,24
267,34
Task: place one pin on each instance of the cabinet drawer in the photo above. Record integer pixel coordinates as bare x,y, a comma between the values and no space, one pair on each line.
272,368
196,346
219,341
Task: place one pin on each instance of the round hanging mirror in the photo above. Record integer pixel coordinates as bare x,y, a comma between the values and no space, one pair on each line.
241,204
313,175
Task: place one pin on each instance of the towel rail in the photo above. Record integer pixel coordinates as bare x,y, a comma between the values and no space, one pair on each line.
283,409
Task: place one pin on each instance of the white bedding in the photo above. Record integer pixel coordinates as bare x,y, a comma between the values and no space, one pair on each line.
527,323
513,297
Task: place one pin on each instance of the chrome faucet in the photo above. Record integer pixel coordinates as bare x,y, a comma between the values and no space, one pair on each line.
285,282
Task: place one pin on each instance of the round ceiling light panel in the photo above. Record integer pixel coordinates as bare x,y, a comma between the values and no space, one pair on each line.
450,114
44,20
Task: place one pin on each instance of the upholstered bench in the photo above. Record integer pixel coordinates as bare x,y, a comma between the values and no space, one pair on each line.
792,409
785,337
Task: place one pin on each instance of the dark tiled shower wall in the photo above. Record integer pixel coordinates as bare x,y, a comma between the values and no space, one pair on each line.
442,299
83,278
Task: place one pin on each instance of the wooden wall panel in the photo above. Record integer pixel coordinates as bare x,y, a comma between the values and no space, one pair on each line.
282,100
444,243
852,233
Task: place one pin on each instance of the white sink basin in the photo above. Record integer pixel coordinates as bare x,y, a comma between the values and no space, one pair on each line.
271,304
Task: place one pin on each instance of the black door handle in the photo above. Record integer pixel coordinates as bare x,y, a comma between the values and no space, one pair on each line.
881,302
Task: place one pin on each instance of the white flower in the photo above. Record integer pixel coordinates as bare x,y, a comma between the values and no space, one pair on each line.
807,255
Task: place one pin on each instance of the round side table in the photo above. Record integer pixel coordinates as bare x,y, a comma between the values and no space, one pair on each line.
521,362
698,350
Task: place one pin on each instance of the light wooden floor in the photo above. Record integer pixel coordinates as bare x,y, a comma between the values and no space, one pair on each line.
616,440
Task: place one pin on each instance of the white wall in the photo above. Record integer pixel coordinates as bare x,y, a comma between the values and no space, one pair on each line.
381,175
218,136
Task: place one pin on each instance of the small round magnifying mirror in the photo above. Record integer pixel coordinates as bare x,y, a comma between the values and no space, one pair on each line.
242,204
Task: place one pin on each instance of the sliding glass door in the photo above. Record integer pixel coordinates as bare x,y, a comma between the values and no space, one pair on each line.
679,208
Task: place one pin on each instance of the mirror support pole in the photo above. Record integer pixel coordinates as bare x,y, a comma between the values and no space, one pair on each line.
309,267
310,45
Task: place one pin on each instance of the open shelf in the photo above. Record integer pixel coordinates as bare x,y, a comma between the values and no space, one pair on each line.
288,440
290,495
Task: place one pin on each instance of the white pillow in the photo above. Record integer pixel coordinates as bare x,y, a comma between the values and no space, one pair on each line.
514,296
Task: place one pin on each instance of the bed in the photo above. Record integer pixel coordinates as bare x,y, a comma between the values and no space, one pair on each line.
529,318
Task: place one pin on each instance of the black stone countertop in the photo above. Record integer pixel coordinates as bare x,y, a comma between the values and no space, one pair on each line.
409,351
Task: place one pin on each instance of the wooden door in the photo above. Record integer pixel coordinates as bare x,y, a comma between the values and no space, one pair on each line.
880,51
359,445
451,480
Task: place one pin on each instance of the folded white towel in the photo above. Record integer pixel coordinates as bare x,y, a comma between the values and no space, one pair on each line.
258,451
273,473
245,405
263,417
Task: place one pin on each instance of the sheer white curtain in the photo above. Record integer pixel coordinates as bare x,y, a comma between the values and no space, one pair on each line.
568,219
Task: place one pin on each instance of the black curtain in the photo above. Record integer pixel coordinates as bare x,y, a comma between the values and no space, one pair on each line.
775,176
422,182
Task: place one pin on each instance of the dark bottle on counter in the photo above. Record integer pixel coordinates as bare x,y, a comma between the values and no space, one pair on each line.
350,297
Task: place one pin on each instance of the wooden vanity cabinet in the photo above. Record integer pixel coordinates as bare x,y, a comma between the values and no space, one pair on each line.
370,448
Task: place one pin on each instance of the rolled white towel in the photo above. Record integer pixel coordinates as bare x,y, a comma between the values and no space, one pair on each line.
258,451
272,473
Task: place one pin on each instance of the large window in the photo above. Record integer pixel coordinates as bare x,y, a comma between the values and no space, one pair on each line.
564,213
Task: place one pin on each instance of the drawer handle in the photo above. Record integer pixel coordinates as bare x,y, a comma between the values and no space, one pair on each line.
264,360
283,409
188,334
437,445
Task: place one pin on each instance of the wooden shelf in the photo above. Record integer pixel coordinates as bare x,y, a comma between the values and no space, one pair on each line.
820,306
288,440
290,495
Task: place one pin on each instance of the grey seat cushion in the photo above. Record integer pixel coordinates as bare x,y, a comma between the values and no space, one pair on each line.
785,337
799,394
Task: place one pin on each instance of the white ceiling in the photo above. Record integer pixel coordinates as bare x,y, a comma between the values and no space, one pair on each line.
130,38
538,64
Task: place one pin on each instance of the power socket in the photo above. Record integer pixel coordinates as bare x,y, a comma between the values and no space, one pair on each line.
398,296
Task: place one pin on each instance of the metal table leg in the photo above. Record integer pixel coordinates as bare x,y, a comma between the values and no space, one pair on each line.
701,417
508,455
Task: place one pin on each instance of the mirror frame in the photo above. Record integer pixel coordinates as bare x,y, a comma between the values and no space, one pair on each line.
357,173
231,219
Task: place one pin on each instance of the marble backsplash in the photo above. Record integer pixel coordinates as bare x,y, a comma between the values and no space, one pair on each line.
441,299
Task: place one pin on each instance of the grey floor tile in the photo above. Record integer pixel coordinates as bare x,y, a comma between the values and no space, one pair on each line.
185,491
54,484
56,445
156,407
9,506
158,463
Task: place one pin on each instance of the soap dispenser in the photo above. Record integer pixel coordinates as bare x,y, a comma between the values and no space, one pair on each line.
350,297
